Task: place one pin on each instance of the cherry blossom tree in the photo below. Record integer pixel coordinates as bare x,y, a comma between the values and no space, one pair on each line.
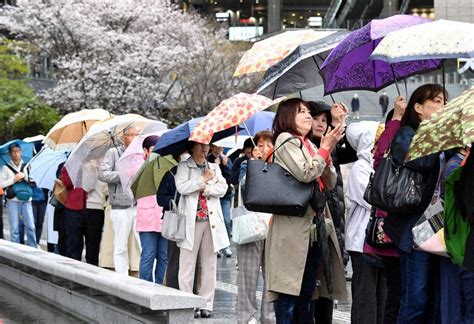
137,56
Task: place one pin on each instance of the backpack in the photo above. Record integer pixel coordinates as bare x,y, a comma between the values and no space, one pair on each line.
21,190
456,224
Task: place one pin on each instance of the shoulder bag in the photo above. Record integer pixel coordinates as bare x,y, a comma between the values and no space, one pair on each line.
269,188
174,223
428,232
395,188
21,189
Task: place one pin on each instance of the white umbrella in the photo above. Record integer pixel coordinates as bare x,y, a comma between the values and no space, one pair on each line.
101,137
440,39
231,142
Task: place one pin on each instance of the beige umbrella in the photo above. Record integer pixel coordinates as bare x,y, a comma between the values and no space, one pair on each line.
72,127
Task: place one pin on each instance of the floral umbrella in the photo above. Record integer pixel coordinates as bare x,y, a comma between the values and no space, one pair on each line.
348,66
453,126
229,113
267,52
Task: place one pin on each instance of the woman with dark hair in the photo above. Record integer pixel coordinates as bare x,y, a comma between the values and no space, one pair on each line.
292,253
416,266
201,184
149,222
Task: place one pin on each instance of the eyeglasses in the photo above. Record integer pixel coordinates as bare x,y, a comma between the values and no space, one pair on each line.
133,135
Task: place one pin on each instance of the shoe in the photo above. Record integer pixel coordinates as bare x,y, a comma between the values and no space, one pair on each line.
228,252
196,313
205,313
219,254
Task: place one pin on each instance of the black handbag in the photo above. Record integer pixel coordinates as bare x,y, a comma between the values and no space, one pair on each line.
269,188
395,188
374,234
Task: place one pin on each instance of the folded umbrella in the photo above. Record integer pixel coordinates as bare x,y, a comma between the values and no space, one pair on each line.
300,69
104,135
72,127
229,113
44,165
148,178
450,127
26,151
272,50
348,67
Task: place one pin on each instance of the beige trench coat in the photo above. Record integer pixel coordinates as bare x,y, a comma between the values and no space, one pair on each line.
288,238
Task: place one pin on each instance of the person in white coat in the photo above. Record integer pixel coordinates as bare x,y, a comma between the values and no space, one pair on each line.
368,279
201,184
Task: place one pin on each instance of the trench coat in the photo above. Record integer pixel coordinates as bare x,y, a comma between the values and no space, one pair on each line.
289,237
189,182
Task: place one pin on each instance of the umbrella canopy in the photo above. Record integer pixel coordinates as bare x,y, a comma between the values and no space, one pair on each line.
436,40
26,151
261,121
233,142
37,142
104,135
230,112
299,70
450,127
44,165
148,178
175,141
72,127
267,52
132,159
348,66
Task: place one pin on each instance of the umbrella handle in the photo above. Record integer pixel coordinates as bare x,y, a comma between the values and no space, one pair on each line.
444,81
395,77
251,137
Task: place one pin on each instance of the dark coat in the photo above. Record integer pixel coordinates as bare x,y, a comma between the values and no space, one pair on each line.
399,226
167,190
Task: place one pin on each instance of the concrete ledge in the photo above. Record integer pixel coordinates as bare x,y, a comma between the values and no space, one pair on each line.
100,281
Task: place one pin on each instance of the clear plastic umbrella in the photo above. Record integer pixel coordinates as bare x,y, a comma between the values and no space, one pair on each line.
104,135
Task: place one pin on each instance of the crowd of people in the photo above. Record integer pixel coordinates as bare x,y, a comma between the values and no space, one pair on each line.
302,259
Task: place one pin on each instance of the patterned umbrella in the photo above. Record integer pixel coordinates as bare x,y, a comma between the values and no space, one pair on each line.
230,112
299,70
72,127
348,66
267,52
453,126
436,40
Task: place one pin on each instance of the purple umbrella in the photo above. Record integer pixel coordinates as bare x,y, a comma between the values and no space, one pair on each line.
348,67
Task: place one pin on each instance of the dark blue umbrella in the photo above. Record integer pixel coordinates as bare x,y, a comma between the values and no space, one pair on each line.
26,151
175,141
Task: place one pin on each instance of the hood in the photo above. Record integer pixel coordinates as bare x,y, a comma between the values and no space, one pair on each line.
361,137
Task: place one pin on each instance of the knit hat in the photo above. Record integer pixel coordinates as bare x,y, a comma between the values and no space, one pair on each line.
318,107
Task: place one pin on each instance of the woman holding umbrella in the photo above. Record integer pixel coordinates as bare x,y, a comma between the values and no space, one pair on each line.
201,184
415,265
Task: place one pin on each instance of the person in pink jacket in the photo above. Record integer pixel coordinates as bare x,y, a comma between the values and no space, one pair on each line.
149,222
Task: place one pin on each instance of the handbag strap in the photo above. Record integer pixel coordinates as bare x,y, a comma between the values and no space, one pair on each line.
284,142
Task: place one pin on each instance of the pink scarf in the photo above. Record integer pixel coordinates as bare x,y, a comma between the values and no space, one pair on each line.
306,142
